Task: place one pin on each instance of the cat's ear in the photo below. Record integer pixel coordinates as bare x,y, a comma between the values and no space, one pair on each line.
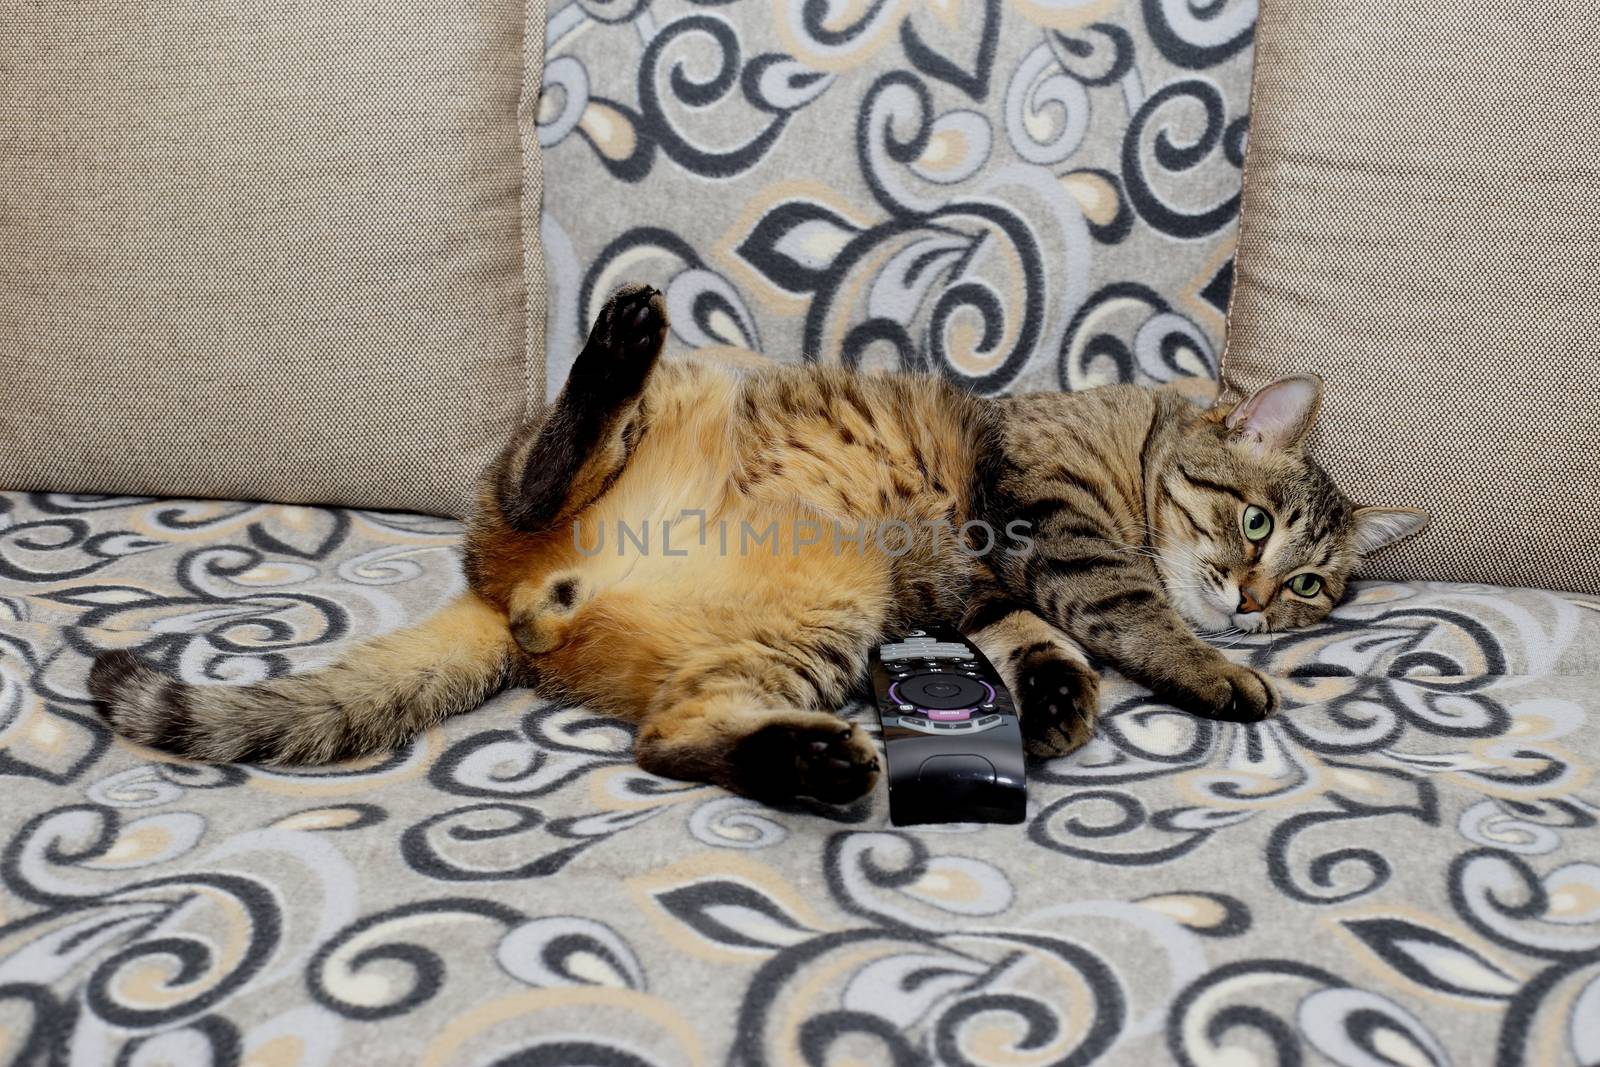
1377,527
1277,416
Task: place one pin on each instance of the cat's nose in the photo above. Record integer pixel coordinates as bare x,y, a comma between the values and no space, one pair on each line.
1247,600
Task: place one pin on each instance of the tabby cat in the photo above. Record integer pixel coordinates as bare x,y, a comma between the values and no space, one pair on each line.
704,554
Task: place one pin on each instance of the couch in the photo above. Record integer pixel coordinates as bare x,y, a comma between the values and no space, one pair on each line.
1401,867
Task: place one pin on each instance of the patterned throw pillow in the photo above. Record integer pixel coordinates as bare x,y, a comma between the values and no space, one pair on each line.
1422,227
1035,195
270,250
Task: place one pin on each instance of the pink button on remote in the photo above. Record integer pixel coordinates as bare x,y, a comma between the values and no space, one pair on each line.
957,715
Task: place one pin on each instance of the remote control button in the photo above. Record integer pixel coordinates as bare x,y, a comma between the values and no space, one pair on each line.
909,707
938,715
941,691
921,647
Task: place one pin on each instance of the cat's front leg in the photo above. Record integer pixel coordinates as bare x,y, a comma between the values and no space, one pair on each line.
1049,675
554,469
1113,604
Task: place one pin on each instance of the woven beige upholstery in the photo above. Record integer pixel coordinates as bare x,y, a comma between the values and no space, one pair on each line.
271,250
1421,225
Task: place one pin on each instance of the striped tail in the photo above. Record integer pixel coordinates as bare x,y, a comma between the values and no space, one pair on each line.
377,697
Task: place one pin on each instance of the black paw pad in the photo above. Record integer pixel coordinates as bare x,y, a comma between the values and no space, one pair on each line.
623,345
644,325
632,320
1059,700
826,762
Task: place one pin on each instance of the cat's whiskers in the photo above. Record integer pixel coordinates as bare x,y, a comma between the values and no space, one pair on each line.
1187,571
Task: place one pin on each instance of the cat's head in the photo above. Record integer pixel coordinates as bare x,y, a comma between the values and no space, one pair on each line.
1250,533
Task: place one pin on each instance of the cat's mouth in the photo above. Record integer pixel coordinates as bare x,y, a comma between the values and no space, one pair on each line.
1199,607
1253,623
1209,605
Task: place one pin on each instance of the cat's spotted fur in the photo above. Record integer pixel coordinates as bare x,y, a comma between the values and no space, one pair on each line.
732,658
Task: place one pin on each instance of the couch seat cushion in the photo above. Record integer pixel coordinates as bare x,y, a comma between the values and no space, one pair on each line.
1403,860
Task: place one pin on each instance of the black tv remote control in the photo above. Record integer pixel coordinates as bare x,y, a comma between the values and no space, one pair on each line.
950,732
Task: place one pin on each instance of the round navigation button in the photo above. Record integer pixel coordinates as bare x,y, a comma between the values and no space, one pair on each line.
943,691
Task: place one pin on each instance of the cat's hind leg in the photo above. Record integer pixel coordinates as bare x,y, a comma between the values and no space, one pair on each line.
734,736
728,694
553,469
747,705
1055,686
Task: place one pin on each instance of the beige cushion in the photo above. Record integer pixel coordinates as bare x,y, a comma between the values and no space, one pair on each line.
268,250
1421,225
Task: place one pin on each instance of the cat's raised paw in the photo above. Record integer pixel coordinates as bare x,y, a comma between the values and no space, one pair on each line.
829,760
633,323
622,349
1059,700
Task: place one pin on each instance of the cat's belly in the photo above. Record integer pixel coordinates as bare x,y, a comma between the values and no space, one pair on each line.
654,600
721,534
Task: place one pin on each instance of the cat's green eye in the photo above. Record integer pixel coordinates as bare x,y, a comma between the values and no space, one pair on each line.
1257,523
1306,585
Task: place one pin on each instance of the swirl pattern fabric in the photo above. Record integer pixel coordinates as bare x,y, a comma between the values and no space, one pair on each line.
1019,195
1399,868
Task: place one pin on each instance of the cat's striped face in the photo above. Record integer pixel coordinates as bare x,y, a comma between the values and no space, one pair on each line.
1252,535
1252,550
